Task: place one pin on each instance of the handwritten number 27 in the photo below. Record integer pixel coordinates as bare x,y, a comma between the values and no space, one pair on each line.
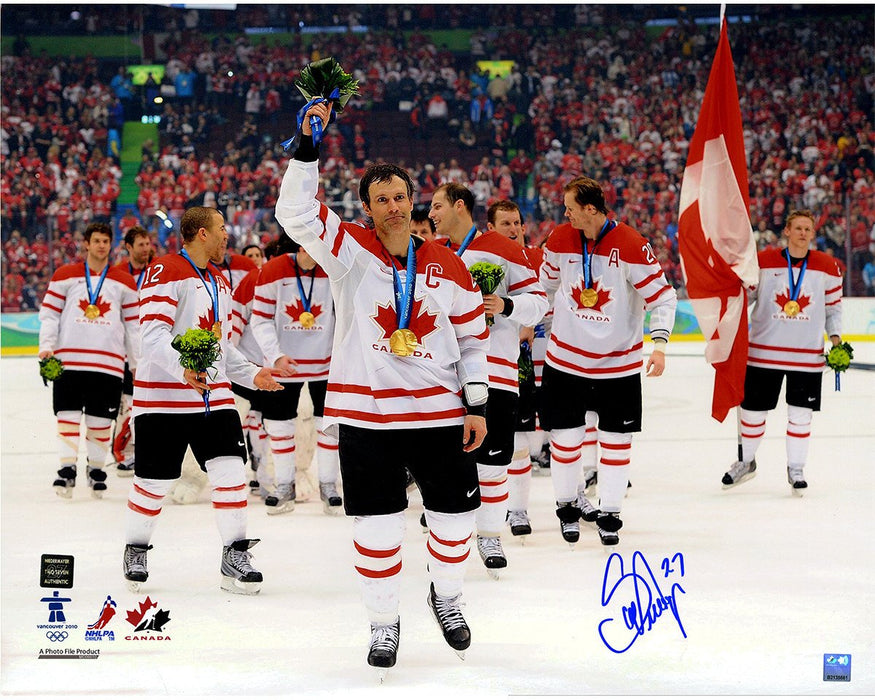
678,560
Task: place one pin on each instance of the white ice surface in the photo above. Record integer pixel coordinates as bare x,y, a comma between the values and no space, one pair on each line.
772,582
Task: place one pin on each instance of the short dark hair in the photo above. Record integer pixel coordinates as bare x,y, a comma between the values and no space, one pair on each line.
587,191
135,232
194,219
454,192
382,172
251,245
280,246
501,205
420,215
97,227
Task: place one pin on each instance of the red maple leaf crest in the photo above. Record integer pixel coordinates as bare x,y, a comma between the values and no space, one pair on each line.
206,322
422,323
604,296
104,306
295,310
135,617
783,297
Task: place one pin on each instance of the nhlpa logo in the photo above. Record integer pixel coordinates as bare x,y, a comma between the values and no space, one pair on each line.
96,631
148,619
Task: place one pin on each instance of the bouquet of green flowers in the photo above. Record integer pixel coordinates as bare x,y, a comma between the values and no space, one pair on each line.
322,81
487,276
839,359
198,349
50,368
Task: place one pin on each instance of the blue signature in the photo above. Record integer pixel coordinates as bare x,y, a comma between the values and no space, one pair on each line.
646,603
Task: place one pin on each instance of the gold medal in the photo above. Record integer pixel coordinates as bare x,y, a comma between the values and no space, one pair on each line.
217,329
403,342
306,319
91,311
791,308
589,297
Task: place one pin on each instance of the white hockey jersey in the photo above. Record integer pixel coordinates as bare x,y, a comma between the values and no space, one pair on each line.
100,344
241,314
172,300
604,340
781,341
521,285
368,385
276,318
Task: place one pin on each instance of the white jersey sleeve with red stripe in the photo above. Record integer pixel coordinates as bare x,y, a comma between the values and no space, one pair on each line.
606,339
369,386
781,341
101,344
521,285
173,300
241,312
276,313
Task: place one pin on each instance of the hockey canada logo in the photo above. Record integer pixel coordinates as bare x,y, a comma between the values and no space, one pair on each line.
148,621
783,298
422,323
294,311
97,631
95,313
587,301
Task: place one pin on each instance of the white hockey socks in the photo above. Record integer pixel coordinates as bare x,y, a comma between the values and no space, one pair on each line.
98,433
145,500
753,427
377,541
493,499
253,428
68,436
589,452
565,452
536,440
449,543
124,414
614,467
519,474
798,435
327,455
282,446
227,477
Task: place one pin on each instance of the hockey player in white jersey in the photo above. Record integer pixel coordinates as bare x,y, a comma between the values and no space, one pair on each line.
601,276
406,390
293,322
798,296
519,301
88,320
170,413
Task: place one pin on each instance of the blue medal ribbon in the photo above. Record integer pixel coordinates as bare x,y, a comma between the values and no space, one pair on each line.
214,298
466,242
93,295
587,258
315,122
306,299
795,286
404,295
140,277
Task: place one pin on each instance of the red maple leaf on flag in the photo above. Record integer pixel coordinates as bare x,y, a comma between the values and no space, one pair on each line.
604,296
803,300
135,617
422,322
104,306
295,310
715,238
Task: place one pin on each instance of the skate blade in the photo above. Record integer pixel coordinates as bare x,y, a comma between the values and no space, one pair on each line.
799,493
746,477
232,585
133,586
460,654
287,507
493,574
332,510
124,473
64,491
97,494
381,674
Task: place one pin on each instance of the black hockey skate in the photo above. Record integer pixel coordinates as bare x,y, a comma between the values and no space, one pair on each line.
449,618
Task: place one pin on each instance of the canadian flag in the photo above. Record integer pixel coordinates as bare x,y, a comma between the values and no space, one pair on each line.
715,239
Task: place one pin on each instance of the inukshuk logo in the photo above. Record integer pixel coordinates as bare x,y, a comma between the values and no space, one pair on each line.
97,631
148,620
